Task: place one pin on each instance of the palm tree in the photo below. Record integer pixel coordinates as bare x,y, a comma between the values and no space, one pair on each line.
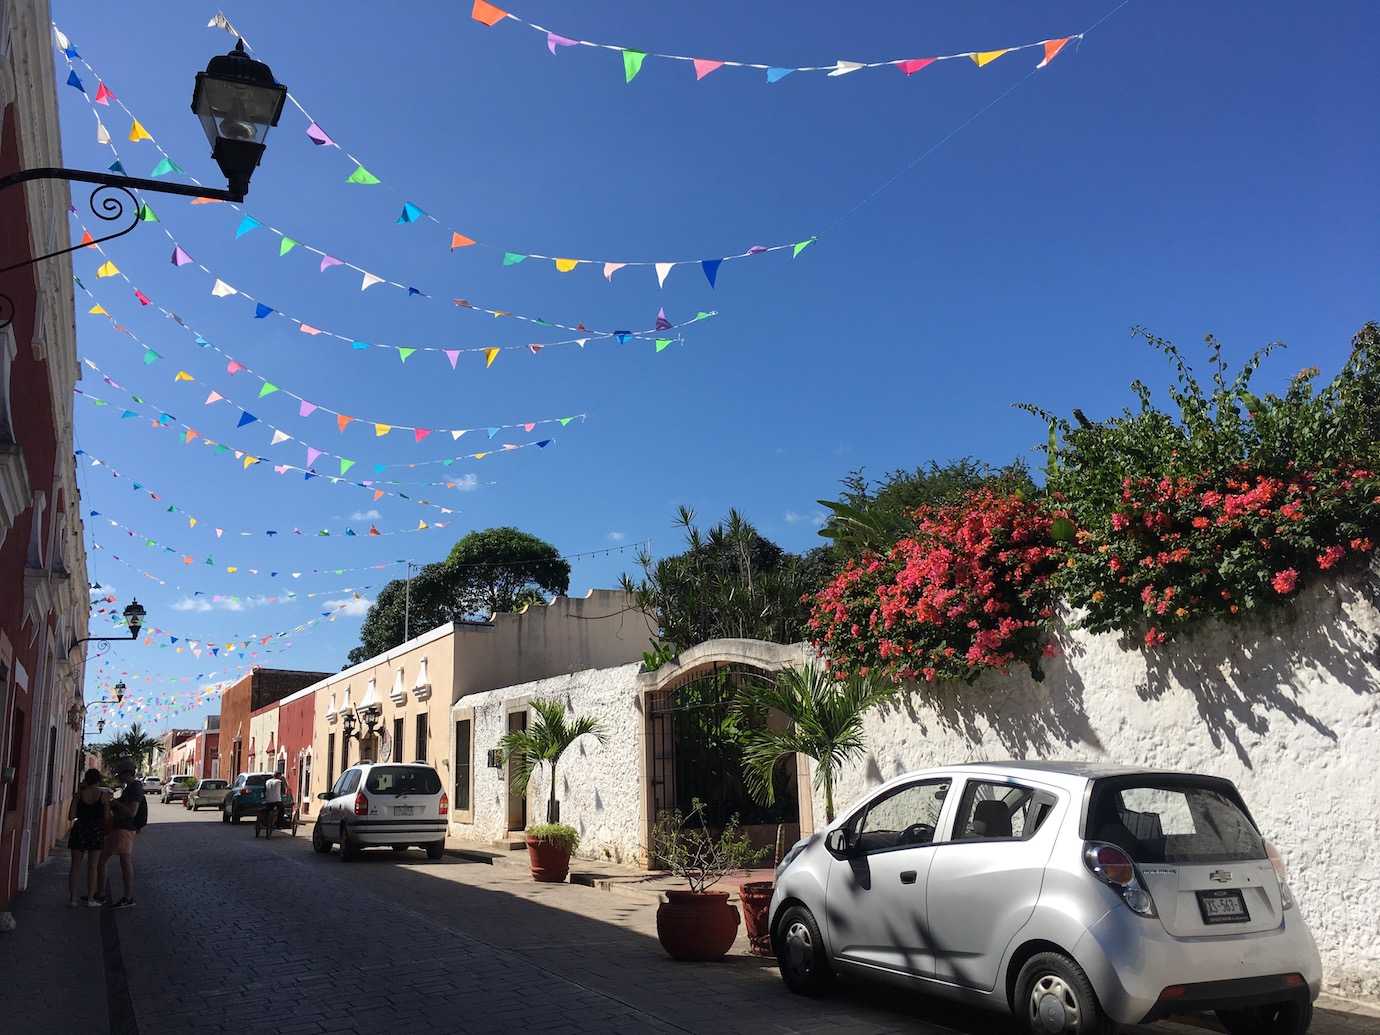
826,724
137,744
545,741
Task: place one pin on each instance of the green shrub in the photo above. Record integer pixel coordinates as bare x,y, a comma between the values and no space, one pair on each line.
557,834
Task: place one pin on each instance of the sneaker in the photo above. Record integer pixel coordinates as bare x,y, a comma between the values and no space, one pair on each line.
94,903
72,903
124,903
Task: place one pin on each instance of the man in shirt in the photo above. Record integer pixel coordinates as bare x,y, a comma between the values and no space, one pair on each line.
273,801
129,812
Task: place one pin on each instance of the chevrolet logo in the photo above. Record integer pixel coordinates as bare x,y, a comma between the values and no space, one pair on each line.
1220,876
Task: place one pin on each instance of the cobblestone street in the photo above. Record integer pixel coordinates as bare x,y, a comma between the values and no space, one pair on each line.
234,934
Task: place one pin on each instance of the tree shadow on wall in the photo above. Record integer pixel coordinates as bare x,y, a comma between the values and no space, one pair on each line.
1241,676
1030,718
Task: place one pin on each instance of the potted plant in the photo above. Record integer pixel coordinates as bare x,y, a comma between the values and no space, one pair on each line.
825,723
549,844
699,924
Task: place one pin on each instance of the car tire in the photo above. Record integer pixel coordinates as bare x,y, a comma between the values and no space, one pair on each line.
1054,995
399,849
435,850
800,952
1284,1019
224,816
349,851
319,843
234,816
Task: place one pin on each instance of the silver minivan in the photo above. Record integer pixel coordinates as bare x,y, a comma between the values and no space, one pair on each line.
1077,897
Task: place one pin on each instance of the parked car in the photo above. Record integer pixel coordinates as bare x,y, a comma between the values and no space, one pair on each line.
1074,896
245,797
210,793
178,788
153,785
376,804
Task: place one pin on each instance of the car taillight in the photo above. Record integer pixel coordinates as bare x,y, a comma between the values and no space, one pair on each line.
244,792
445,804
1286,898
1113,867
361,804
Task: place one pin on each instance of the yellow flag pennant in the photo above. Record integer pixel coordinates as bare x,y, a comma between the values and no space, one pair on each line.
98,310
382,429
986,57
137,133
182,375
490,354
107,269
566,265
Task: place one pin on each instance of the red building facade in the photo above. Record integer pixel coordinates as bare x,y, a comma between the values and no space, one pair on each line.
296,719
44,603
252,692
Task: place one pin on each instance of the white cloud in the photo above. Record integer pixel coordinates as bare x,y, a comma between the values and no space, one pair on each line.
104,591
365,515
466,484
816,519
618,537
355,605
229,603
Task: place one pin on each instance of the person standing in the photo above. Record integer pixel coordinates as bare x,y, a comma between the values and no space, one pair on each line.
86,839
131,814
273,802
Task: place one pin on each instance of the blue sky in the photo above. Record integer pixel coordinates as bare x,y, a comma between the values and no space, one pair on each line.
1187,168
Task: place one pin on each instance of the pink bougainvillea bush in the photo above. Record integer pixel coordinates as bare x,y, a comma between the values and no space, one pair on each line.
967,588
1228,508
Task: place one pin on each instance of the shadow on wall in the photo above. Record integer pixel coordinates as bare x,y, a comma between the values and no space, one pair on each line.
1241,676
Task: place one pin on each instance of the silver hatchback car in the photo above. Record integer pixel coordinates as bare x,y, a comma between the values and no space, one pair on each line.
1077,897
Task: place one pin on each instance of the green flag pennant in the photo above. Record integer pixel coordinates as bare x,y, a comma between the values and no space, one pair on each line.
800,246
165,166
632,63
403,353
661,343
286,245
363,176
268,389
512,258
151,357
345,465
146,214
566,420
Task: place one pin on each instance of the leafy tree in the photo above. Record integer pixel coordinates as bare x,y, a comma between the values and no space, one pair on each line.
730,581
826,724
135,745
544,742
871,516
486,572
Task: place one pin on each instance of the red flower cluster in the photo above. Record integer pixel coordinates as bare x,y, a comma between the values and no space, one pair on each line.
1184,548
969,589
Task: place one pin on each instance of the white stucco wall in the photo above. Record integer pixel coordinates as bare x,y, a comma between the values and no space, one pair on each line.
599,786
1289,711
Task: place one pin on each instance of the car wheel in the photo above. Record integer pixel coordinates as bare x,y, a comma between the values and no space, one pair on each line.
400,848
349,851
1054,995
435,850
318,843
234,816
224,816
1281,1019
800,952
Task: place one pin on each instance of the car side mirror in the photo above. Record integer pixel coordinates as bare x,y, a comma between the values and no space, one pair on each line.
838,842
324,796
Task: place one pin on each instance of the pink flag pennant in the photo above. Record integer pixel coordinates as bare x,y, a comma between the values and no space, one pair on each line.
312,454
327,261
452,355
307,328
214,397
610,268
319,136
143,298
554,40
420,433
306,409
534,349
662,324
180,257
234,367
104,95
704,66
914,65
529,426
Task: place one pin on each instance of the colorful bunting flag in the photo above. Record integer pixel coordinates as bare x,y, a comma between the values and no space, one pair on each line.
566,265
104,95
1052,48
107,269
247,224
410,213
460,241
986,57
363,176
137,133
703,67
286,245
913,65
318,136
180,257
490,355
632,63
369,281
486,13
222,289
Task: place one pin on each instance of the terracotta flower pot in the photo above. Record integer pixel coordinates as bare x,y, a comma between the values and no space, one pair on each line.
755,897
696,927
550,862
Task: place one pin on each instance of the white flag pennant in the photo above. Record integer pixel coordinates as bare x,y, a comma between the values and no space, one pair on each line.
663,270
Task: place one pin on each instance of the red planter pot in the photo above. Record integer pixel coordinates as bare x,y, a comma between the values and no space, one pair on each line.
550,862
755,897
696,927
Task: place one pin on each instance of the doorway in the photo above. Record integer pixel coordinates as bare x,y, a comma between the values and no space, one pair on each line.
517,803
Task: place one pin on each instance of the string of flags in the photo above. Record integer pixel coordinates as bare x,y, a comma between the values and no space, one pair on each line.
292,242
195,522
413,212
489,15
240,641
164,419
305,407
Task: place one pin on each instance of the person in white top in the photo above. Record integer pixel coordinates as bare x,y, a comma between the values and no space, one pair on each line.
273,800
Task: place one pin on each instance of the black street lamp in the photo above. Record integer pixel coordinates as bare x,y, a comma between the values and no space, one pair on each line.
237,100
134,618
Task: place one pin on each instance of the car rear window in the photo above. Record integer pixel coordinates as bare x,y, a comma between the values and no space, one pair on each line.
403,779
257,780
1177,822
212,785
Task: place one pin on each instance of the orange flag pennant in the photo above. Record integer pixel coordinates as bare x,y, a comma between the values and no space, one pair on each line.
486,13
459,241
342,421
1052,48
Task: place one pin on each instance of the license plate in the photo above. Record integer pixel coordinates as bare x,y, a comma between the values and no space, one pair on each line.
403,810
1223,907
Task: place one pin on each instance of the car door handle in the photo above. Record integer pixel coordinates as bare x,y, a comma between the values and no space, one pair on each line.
907,876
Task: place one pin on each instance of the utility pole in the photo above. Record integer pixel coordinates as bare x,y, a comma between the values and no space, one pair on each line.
407,604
